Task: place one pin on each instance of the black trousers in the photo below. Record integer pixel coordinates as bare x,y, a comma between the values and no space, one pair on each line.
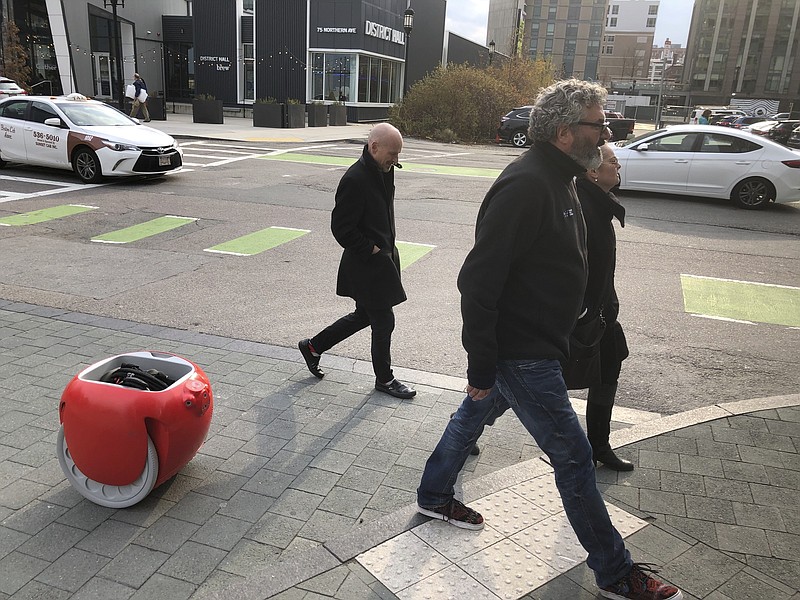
381,320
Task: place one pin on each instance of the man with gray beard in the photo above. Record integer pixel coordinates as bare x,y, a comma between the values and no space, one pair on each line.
522,289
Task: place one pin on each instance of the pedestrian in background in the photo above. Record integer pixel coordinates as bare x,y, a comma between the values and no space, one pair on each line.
369,271
703,119
140,99
597,345
522,287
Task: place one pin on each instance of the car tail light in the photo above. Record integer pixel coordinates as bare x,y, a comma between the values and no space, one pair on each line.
792,164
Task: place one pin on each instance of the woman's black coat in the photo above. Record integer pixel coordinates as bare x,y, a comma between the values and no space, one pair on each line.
604,362
362,218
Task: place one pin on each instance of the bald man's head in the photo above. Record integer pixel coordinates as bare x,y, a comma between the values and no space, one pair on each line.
385,144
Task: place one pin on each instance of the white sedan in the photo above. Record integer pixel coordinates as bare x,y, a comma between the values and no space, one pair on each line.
87,136
705,160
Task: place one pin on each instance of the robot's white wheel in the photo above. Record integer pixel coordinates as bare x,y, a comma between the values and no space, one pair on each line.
112,496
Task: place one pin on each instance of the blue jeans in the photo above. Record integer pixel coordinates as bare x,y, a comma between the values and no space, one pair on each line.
535,391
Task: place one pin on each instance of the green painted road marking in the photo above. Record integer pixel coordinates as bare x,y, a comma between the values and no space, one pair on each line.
411,252
45,214
259,241
143,230
339,161
741,300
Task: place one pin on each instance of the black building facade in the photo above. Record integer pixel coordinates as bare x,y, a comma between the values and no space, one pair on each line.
350,51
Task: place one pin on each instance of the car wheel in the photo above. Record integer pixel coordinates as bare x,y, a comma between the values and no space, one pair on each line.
753,194
87,165
112,496
519,139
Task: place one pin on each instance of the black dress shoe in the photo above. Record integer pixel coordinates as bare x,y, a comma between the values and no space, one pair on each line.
612,461
312,362
396,389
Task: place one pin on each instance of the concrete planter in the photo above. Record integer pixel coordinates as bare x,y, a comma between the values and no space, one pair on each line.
207,111
337,114
317,115
268,115
295,115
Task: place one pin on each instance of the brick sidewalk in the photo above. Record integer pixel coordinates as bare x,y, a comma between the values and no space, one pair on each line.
299,477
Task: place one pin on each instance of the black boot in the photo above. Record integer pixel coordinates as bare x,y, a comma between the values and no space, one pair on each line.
598,426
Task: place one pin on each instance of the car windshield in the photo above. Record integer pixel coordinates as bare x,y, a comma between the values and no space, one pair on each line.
94,115
8,85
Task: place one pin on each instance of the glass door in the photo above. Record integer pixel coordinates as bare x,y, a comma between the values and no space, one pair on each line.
102,74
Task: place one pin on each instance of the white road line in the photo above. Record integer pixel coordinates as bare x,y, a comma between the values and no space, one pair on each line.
714,318
231,160
192,164
298,149
774,285
210,156
250,148
35,181
71,188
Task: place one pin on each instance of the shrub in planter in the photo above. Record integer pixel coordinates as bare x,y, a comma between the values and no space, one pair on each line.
337,113
295,113
267,113
206,109
317,115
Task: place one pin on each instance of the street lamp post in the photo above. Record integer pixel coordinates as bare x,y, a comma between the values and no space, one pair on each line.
491,52
408,25
117,48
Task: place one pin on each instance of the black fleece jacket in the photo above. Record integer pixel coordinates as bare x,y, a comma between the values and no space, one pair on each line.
522,284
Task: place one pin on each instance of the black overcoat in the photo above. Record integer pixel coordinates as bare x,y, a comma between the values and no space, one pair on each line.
363,218
604,362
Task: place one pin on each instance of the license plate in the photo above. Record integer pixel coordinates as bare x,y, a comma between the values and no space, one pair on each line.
164,161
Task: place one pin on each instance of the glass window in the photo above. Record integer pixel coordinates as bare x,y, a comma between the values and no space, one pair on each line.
715,142
318,75
14,109
612,22
652,9
40,112
651,22
676,142
615,9
363,78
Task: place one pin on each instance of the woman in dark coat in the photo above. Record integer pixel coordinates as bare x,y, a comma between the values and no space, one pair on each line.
598,366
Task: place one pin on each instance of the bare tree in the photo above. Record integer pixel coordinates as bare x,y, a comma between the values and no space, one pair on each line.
15,58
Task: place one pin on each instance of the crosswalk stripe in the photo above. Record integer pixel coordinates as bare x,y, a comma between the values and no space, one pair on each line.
44,214
411,252
143,230
743,301
258,241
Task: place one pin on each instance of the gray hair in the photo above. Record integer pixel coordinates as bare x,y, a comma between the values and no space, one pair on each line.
563,103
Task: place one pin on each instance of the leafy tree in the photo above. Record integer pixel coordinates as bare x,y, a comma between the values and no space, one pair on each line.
464,103
15,57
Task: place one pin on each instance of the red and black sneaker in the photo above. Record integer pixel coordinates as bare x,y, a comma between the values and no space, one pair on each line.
638,584
455,513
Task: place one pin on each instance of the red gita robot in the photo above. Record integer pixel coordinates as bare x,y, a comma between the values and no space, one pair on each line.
129,423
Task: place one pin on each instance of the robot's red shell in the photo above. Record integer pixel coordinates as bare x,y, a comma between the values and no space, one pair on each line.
106,425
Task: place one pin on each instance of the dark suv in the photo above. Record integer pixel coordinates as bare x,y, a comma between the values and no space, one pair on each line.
514,127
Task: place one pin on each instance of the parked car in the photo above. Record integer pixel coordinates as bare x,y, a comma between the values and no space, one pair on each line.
704,160
513,127
723,120
761,128
780,116
794,138
782,130
9,87
745,121
87,136
619,126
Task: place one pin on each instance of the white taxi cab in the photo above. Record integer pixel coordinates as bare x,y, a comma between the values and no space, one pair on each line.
87,136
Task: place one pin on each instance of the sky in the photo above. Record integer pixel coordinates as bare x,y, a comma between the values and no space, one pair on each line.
467,18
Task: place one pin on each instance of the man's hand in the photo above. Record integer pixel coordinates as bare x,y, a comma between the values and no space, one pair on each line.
477,394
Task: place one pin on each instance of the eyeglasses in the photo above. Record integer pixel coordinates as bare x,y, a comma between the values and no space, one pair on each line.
613,161
599,126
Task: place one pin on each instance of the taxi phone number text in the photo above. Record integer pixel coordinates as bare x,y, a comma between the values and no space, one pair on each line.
47,137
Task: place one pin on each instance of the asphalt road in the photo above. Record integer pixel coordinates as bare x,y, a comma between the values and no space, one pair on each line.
679,360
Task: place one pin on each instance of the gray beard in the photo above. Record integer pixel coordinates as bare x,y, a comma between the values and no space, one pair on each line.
592,159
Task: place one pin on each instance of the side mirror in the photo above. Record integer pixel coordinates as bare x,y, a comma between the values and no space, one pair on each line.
642,147
54,122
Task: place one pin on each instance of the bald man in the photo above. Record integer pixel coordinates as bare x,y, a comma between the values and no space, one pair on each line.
369,271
